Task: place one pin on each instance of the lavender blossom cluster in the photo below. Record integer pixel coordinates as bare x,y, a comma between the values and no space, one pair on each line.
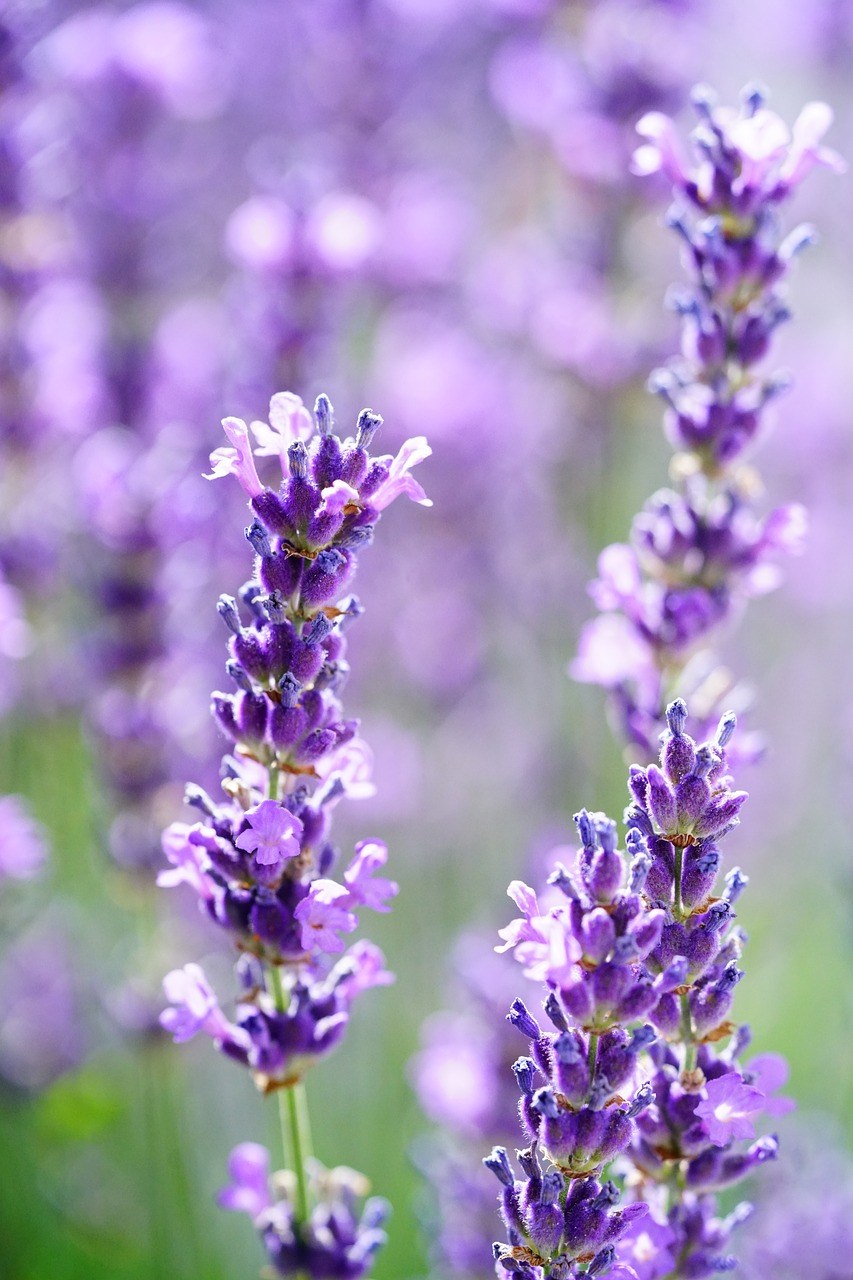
261,860
700,550
639,964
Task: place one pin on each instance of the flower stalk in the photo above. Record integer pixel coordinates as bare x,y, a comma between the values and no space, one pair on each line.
261,861
642,1075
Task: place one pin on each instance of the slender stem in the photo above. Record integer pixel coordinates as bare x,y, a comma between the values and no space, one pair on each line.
678,908
687,1033
593,1054
293,1117
300,1141
274,778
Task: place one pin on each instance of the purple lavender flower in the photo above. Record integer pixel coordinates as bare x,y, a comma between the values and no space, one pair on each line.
699,552
340,1237
260,860
631,1068
272,836
727,1109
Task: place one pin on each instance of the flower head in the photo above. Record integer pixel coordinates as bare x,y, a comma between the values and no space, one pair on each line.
323,915
364,886
728,1108
236,460
273,834
400,479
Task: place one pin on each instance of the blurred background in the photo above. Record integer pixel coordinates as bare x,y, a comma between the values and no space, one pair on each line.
424,206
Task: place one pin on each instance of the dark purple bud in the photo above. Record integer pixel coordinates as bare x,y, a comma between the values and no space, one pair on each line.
297,457
736,882
625,949
643,1098
692,795
326,577
609,983
324,414
638,1002
586,829
647,930
675,975
368,424
555,1012
251,715
281,573
740,1041
641,1038
577,998
545,1103
227,610
498,1163
598,934
258,539
317,629
607,1197
676,717
701,864
639,872
524,1070
720,815
250,654
639,787
520,1018
602,1261
222,706
238,675
603,877
530,1164
544,1219
197,798
607,834
306,660
661,800
562,880
566,1049
666,1015
271,510
287,725
290,689
717,916
316,745
273,607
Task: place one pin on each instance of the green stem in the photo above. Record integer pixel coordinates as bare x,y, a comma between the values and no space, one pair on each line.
293,1117
593,1054
687,1033
274,777
300,1142
678,908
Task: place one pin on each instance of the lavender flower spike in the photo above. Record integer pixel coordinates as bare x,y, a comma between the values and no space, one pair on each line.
700,550
261,859
632,1064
